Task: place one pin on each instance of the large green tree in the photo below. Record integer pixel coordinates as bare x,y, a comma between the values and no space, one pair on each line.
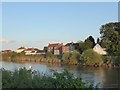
90,40
89,43
110,38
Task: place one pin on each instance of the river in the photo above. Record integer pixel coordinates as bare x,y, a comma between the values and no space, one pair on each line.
107,77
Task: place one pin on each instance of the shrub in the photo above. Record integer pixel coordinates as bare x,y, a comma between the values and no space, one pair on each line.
66,58
24,78
71,58
90,57
75,57
50,55
115,60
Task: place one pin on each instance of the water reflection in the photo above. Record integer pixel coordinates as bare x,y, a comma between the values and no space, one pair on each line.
107,77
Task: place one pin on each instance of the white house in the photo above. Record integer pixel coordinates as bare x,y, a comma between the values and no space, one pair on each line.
97,48
31,51
34,51
19,50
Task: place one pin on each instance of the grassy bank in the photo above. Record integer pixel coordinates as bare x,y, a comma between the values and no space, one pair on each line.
21,57
88,58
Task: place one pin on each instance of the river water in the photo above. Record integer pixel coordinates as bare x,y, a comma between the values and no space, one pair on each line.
107,77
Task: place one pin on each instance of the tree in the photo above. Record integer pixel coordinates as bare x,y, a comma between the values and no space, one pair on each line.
50,55
90,57
81,47
89,43
71,58
98,40
75,57
110,37
90,39
66,58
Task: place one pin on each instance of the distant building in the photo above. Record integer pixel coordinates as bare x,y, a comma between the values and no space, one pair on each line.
31,51
58,49
7,51
21,49
65,49
70,47
55,49
51,47
97,48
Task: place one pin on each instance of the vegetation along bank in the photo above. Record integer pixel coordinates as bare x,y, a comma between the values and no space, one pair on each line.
84,53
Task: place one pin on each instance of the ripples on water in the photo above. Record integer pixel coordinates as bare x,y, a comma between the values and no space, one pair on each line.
107,77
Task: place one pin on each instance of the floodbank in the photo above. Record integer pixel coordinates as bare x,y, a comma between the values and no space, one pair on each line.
21,58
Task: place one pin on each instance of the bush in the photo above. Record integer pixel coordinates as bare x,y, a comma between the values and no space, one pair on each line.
24,78
66,58
115,60
105,59
90,57
75,57
50,55
71,58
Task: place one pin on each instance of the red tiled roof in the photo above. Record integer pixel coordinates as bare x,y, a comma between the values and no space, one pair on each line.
59,46
56,46
53,45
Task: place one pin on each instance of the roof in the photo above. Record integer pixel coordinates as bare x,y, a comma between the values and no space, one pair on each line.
21,48
68,44
53,45
58,46
99,49
31,49
97,46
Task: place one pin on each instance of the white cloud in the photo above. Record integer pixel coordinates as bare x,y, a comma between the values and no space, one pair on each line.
6,41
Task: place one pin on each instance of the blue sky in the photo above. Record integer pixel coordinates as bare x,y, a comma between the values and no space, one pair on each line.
38,24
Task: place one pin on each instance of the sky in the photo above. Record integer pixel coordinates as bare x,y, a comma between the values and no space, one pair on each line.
36,24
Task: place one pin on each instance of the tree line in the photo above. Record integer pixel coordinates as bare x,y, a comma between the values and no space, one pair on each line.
84,53
109,39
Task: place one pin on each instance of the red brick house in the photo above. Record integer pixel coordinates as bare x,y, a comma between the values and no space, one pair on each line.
56,49
59,49
69,47
65,49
